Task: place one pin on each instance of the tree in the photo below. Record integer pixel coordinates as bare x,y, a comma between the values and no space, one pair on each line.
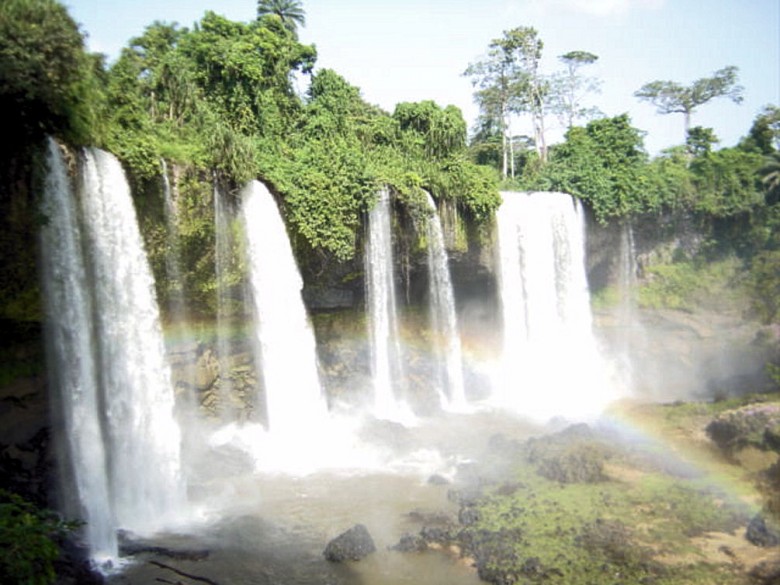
532,87
700,140
603,164
510,82
495,77
570,88
47,84
672,98
290,12
764,135
770,177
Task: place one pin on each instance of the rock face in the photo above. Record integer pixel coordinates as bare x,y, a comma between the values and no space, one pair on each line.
353,545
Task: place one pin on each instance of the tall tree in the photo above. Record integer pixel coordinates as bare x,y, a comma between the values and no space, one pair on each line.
532,88
509,82
494,77
571,87
290,12
672,98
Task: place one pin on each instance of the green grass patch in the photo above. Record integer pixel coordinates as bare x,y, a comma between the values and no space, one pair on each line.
602,533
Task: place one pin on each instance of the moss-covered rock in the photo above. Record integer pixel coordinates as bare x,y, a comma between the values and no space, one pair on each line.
754,425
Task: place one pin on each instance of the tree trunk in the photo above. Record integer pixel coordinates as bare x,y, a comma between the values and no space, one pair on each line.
511,150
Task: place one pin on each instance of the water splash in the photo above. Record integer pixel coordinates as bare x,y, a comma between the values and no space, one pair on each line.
443,317
294,401
550,363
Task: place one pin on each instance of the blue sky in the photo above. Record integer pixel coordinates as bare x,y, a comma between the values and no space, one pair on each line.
411,50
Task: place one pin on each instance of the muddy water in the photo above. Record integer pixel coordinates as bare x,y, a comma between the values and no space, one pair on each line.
269,528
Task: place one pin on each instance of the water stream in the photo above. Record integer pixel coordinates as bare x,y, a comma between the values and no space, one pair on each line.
294,401
444,319
386,368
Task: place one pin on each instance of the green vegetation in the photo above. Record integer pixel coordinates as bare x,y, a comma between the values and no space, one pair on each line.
28,541
222,100
685,285
610,514
46,77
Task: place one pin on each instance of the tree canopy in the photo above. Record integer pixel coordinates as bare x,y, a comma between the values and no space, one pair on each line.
46,77
670,97
290,12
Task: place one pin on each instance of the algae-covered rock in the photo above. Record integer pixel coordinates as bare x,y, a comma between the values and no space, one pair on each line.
754,425
763,531
574,455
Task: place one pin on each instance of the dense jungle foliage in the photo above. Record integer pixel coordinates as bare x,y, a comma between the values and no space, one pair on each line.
223,100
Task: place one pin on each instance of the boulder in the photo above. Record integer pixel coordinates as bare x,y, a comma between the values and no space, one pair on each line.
763,531
352,545
754,425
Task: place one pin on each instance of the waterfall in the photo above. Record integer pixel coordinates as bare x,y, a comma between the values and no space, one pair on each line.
294,402
386,367
108,357
142,434
71,365
444,323
630,329
550,363
176,301
222,261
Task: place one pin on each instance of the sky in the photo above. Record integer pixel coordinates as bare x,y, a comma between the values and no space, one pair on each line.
413,50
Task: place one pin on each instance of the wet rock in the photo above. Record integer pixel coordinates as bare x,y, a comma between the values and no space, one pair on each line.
352,545
762,531
495,554
465,497
428,518
468,515
437,479
410,543
442,535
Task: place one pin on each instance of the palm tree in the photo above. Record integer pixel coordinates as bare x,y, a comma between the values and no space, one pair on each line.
290,12
770,177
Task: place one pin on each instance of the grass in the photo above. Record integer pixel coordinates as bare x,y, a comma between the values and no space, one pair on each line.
638,525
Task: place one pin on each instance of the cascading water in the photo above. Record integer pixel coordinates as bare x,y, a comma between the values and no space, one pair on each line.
108,358
386,367
71,365
627,289
550,363
222,257
443,317
177,301
294,401
142,435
